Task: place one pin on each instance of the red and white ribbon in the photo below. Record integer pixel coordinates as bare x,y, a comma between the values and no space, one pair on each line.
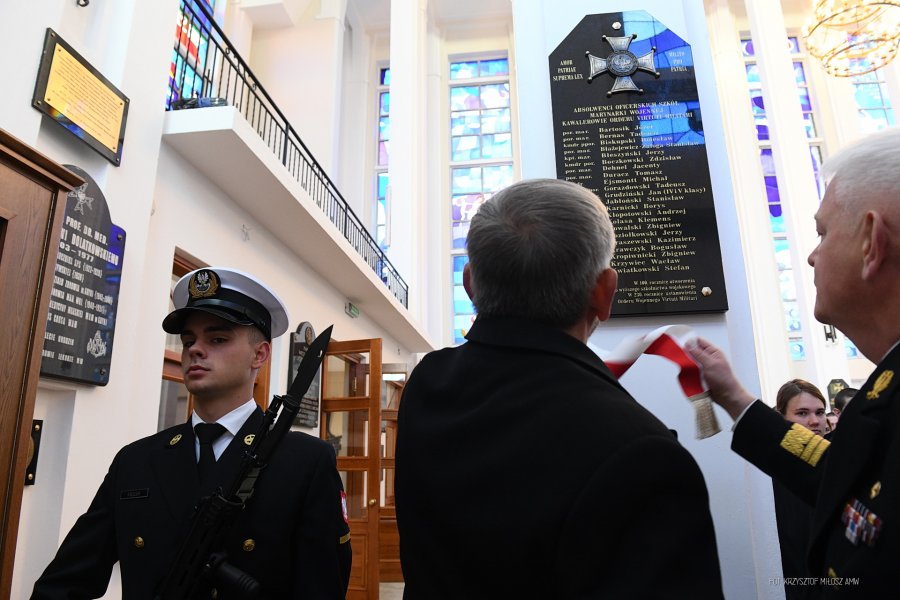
668,342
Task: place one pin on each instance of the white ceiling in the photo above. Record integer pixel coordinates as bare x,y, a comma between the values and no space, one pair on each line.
376,14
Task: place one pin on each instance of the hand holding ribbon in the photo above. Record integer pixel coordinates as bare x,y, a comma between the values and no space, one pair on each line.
669,342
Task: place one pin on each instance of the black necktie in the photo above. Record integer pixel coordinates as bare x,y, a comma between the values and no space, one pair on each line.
207,433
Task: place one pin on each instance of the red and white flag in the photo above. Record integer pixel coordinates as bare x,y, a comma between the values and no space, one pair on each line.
668,342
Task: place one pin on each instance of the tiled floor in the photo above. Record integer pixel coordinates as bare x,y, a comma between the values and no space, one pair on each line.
391,591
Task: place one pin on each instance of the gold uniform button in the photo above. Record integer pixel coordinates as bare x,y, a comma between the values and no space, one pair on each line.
249,545
175,440
138,542
831,573
876,489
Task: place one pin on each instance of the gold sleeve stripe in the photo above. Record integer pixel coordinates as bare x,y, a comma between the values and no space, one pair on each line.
344,539
804,444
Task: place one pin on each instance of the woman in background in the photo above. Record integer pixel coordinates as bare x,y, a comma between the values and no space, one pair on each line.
800,402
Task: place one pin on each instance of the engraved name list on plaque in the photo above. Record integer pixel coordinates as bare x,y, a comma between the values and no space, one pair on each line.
627,126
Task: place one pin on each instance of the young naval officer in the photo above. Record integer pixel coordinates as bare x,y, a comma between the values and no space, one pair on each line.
853,480
524,470
292,537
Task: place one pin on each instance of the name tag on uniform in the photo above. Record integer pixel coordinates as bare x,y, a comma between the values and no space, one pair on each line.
136,494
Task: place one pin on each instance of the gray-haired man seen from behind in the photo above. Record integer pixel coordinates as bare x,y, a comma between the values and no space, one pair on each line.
524,470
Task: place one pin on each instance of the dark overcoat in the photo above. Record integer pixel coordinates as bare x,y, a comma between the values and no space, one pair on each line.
524,470
853,482
292,536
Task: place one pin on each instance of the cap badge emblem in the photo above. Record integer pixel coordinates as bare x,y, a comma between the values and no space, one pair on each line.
203,284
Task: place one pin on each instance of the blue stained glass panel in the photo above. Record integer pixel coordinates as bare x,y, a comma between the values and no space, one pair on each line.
385,77
494,67
756,102
747,48
495,95
465,180
465,122
463,70
464,98
465,148
753,73
465,206
459,262
799,73
498,177
788,285
385,103
782,254
792,316
495,121
765,158
496,145
384,128
775,210
461,301
809,125
762,127
383,181
777,224
458,233
793,45
797,350
805,103
384,154
868,95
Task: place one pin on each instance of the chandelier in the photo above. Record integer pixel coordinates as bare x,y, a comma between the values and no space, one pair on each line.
852,37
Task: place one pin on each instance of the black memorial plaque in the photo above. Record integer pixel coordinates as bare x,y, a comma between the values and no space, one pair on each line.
308,415
627,126
78,341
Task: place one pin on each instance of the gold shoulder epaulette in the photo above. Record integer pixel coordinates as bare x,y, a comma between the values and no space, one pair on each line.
804,444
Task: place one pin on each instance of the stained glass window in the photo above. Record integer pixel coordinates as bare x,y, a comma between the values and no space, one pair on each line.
382,158
191,51
872,100
481,160
793,322
480,122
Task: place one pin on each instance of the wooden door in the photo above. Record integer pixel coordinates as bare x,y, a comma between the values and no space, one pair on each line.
394,378
32,204
351,404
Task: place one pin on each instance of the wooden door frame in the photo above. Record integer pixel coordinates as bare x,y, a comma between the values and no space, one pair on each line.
371,463
58,181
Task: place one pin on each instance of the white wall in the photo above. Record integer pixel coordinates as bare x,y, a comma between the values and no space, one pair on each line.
740,497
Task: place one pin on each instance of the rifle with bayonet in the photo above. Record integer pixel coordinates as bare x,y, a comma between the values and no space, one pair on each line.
201,559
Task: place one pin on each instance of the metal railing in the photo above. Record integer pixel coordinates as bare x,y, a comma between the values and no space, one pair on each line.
207,71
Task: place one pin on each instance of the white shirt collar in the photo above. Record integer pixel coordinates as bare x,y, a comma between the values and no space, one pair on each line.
234,420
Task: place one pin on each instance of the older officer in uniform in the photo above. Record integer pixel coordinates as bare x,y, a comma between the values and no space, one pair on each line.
853,481
293,536
524,470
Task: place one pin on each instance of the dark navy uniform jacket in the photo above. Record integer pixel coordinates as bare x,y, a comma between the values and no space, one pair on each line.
524,470
292,536
853,482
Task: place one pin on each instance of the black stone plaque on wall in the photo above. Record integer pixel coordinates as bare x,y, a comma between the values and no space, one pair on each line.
628,126
78,341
